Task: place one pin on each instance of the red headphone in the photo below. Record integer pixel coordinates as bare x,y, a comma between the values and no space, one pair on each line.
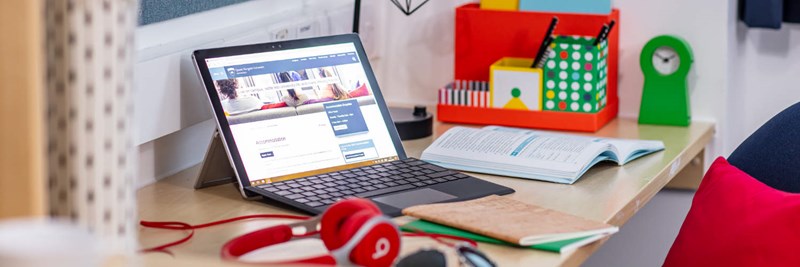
354,230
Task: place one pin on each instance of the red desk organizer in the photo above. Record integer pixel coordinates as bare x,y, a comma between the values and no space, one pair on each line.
484,36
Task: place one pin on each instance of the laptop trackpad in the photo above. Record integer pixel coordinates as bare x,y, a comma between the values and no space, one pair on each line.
412,198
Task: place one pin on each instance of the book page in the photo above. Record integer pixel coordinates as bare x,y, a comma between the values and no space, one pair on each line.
508,145
631,149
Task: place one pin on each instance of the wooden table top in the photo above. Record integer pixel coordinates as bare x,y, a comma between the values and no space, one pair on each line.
607,193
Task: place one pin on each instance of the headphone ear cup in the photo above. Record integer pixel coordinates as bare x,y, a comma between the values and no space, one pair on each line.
335,217
379,247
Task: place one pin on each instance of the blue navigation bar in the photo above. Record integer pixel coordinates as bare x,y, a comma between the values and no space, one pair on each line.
229,72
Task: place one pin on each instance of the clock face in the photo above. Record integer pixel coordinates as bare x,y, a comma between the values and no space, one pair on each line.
665,60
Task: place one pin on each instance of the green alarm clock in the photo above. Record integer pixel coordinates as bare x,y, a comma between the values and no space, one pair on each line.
665,62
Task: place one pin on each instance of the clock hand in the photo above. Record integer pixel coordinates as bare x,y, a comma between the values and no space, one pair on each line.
659,55
673,56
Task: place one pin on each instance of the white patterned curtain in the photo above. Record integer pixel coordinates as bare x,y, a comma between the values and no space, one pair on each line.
89,45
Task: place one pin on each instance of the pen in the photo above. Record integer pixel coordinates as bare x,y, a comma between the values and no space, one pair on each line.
546,55
544,46
610,27
600,34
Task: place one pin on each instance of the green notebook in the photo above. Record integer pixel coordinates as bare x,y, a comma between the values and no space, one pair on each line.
557,246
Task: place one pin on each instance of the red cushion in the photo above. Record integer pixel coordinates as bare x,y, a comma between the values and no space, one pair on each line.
274,105
736,220
360,91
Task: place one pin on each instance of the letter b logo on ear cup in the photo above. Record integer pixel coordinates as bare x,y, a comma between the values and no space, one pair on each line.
380,247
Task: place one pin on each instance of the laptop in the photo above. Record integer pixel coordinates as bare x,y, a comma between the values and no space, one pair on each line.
304,124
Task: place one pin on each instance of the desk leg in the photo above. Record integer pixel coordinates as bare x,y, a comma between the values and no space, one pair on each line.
689,178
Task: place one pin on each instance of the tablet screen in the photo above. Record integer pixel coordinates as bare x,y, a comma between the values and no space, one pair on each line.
300,112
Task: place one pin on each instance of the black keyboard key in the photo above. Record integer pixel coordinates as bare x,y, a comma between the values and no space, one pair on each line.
305,183
320,191
407,175
301,200
450,177
365,183
391,184
353,185
386,179
295,185
324,196
400,182
329,184
419,184
313,198
440,174
384,191
370,188
412,180
348,192
434,168
414,162
282,187
460,175
327,201
308,194
429,182
294,196
440,180
317,181
336,194
319,186
327,179
358,190
283,193
270,189
379,186
341,187
296,190
314,204
340,182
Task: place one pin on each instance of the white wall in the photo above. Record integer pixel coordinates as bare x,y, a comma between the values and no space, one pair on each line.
766,78
173,118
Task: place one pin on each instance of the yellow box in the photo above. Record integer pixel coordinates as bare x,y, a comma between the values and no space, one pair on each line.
500,4
513,84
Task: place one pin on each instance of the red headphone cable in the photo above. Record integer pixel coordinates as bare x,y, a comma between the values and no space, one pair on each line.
191,228
188,227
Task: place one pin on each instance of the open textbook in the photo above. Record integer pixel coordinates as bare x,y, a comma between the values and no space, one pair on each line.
560,158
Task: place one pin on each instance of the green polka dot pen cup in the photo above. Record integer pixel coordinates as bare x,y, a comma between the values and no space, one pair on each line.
575,75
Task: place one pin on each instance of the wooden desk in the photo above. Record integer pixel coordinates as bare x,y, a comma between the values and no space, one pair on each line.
607,193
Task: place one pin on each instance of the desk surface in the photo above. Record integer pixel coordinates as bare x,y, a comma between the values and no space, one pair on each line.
607,193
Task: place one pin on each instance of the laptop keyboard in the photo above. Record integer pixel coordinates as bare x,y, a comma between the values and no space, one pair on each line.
364,182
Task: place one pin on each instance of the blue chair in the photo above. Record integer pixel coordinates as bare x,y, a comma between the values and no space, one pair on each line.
772,153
